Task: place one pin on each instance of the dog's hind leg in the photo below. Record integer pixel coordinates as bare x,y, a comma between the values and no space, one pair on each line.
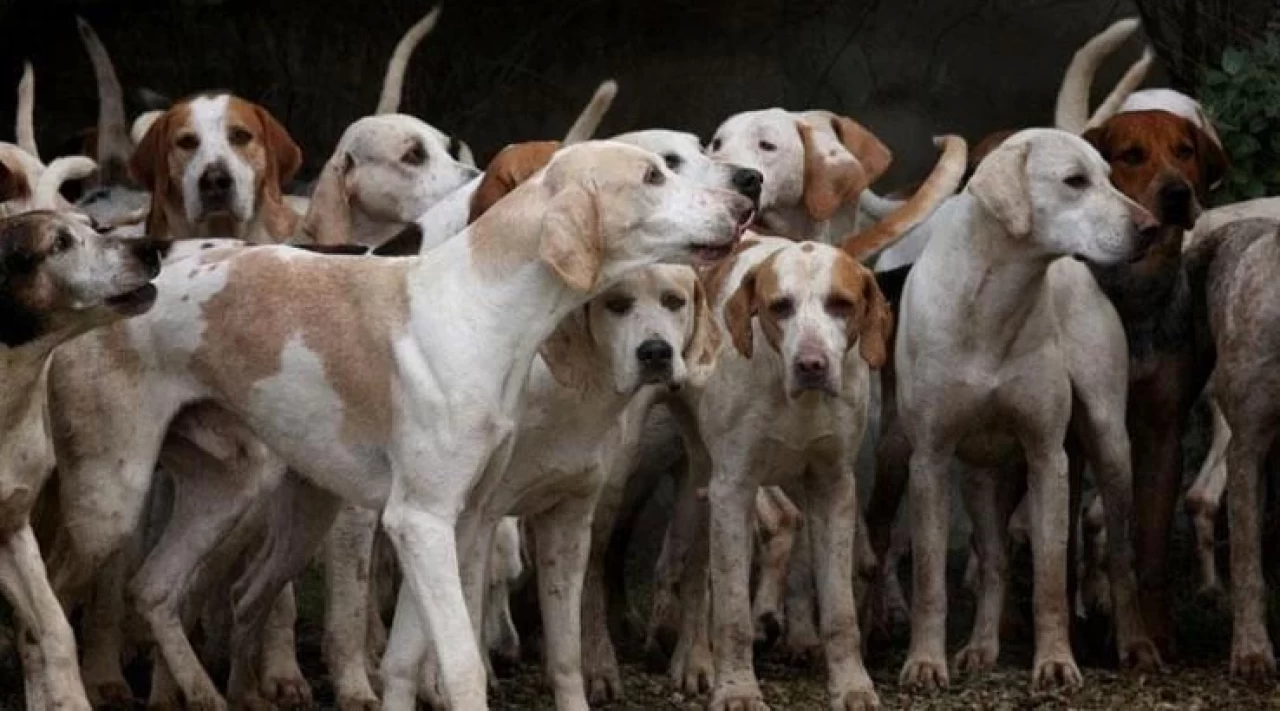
347,560
980,497
299,517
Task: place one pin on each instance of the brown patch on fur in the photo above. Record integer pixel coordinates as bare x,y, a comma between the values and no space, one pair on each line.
828,183
983,148
14,184
715,277
512,166
870,151
324,301
157,164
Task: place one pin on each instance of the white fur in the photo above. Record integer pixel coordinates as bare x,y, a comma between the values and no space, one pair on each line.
209,123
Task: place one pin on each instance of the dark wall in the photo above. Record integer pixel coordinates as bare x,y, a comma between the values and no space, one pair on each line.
497,72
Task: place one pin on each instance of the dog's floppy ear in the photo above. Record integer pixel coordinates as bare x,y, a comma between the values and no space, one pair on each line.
739,311
1213,160
831,177
571,242
704,344
875,326
284,158
13,184
870,151
568,351
149,166
1000,186
328,218
19,323
1100,138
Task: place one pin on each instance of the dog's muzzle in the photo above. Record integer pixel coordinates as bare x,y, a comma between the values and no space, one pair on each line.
1177,204
215,186
655,356
749,183
812,371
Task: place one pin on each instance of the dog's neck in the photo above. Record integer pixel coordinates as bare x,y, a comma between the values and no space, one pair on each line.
370,231
272,222
1142,289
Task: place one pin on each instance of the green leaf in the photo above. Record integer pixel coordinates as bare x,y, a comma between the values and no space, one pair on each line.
1233,61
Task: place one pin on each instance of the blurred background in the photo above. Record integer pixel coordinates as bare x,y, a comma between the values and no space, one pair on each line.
497,72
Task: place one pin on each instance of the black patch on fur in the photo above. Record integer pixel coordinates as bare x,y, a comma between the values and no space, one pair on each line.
406,243
19,324
339,250
891,284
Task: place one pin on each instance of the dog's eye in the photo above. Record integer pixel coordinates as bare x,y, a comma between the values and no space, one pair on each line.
239,136
715,144
1184,151
63,242
839,306
188,141
654,176
416,155
768,146
1079,182
672,160
783,307
619,304
672,301
1133,156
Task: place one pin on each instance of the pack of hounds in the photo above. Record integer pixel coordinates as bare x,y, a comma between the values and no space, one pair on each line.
441,381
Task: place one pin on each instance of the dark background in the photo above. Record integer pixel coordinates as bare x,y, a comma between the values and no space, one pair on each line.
497,72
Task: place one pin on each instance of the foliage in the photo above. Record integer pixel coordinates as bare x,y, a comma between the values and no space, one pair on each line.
1242,97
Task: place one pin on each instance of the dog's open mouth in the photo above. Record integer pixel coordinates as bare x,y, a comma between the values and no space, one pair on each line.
135,301
711,253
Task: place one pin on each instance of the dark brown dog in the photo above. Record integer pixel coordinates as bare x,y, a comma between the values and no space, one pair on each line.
1166,163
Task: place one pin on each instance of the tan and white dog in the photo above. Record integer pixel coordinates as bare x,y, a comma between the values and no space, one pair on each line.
382,429
58,279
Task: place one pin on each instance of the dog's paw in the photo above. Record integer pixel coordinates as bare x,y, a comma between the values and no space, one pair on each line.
603,681
924,674
740,696
859,700
287,692
975,658
1253,662
207,703
358,703
1141,655
800,648
693,672
1056,671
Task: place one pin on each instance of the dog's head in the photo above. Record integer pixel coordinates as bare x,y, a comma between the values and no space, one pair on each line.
682,152
59,276
814,303
1051,189
652,327
391,167
609,207
213,158
816,159
1164,161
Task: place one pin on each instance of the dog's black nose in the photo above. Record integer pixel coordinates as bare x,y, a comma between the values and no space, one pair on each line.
655,354
214,183
1175,204
811,370
748,182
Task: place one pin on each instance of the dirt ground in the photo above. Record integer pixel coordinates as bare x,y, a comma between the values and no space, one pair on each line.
1199,680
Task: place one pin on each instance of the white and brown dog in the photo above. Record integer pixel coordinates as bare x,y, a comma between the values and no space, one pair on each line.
382,429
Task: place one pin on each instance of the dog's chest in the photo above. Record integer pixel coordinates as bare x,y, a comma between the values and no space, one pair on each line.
26,459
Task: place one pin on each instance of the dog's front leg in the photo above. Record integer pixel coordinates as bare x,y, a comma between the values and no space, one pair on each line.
1049,517
833,511
563,539
979,487
926,665
47,639
731,497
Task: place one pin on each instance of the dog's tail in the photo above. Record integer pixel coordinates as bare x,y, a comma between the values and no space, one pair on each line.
1072,112
114,145
589,120
942,183
393,81
26,128
61,170
1128,83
